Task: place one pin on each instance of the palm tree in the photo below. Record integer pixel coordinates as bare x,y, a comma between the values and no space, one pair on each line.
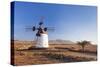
83,44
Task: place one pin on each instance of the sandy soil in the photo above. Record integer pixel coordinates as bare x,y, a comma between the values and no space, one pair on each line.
25,53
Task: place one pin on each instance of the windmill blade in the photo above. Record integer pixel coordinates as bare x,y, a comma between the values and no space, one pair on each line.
35,39
28,29
50,28
41,20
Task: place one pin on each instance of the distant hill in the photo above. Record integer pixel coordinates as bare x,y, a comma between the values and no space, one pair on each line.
60,42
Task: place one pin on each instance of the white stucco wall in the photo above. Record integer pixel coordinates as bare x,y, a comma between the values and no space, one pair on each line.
42,41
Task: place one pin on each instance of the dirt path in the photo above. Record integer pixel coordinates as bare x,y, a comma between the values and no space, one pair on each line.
28,58
83,55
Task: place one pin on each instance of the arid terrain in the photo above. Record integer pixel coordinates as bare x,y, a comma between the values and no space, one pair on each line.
25,53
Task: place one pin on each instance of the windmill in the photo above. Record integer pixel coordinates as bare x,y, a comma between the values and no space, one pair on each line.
41,34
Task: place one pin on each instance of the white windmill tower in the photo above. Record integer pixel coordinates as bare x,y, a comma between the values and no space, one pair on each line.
41,35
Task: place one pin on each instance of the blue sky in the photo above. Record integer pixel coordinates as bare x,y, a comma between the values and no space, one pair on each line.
71,22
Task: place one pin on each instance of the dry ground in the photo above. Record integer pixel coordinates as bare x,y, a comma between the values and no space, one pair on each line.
25,53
